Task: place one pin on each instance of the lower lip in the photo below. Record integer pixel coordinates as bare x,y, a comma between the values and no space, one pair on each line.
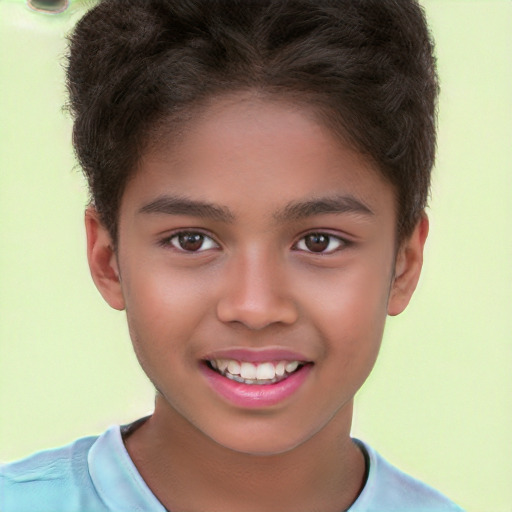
256,395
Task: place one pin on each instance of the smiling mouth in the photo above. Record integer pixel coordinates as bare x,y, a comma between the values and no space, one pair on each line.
264,373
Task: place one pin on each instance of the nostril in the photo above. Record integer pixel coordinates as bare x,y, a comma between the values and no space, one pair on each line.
48,6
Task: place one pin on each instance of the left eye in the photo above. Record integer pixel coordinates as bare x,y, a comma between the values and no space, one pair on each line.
190,241
320,243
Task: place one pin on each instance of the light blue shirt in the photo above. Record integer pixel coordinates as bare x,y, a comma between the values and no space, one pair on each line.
96,474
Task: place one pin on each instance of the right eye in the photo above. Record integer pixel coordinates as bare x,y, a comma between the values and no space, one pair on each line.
190,241
321,243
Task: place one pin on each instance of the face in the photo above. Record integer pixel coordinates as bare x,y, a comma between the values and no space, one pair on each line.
256,263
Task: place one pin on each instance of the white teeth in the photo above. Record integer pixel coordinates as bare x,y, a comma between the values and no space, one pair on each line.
233,367
247,371
254,373
280,368
222,364
292,366
265,371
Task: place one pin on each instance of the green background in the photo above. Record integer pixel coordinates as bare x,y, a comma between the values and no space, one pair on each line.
439,401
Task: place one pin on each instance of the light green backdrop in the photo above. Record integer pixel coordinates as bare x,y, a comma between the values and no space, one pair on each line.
439,401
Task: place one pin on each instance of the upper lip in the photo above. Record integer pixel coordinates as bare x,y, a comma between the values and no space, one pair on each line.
257,355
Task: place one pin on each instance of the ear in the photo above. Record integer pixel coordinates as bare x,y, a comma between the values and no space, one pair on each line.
409,261
102,260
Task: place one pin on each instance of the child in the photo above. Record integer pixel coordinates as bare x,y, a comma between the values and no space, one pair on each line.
258,171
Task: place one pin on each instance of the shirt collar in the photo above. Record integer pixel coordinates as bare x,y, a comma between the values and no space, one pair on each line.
115,477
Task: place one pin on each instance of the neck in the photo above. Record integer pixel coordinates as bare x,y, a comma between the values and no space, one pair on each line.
188,471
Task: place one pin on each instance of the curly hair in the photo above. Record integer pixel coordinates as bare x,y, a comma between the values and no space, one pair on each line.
366,67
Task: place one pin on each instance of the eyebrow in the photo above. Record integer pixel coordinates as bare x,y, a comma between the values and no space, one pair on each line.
296,210
327,205
174,205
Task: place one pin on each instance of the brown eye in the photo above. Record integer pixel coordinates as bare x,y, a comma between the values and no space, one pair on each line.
189,241
317,242
320,243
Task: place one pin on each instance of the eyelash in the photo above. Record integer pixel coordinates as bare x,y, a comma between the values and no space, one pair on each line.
168,241
341,243
301,245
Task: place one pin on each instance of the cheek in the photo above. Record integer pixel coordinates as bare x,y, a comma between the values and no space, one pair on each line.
349,309
163,310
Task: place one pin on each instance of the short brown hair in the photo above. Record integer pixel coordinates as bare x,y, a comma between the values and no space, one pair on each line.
366,66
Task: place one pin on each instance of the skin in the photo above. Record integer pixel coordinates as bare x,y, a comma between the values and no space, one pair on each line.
254,283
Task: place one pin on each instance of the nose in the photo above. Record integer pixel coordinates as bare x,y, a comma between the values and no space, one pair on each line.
255,294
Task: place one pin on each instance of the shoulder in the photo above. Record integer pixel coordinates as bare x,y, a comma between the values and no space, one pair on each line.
390,489
48,479
92,474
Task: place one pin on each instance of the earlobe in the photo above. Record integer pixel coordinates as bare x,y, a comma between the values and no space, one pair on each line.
102,260
409,262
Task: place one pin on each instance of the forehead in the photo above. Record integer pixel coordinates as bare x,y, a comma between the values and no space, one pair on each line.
257,154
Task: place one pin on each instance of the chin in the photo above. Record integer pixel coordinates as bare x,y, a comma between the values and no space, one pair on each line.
261,442
261,449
